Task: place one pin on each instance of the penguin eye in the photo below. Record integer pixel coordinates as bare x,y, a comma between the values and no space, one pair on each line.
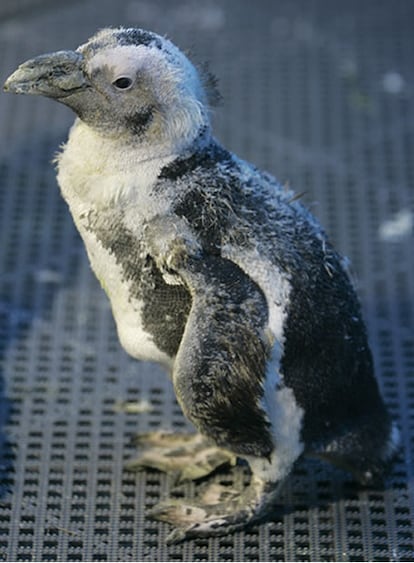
122,83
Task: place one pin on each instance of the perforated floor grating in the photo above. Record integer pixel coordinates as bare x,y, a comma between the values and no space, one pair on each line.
320,93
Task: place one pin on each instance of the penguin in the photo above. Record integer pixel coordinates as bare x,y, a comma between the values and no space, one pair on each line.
216,271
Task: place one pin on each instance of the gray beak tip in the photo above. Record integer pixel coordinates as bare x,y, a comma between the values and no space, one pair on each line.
8,85
12,86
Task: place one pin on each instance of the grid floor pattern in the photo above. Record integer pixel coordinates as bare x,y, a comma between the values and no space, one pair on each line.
321,94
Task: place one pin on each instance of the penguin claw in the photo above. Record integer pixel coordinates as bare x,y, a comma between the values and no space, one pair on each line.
218,511
188,457
178,535
197,520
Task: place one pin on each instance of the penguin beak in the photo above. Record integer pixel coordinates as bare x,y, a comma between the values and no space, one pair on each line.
55,75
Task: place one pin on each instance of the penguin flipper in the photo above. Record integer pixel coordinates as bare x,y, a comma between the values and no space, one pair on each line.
220,367
221,362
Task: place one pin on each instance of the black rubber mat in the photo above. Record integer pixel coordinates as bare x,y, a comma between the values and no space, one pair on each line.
320,93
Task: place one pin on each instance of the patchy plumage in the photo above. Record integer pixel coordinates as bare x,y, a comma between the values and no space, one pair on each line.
214,270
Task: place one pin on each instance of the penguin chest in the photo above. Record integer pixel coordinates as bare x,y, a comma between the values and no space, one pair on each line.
150,314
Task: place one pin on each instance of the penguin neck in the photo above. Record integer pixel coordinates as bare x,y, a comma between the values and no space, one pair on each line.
99,171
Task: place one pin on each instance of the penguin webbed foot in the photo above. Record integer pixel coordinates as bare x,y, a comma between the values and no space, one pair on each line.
217,511
187,456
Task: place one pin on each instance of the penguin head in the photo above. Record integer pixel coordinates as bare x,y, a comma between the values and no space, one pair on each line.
123,82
